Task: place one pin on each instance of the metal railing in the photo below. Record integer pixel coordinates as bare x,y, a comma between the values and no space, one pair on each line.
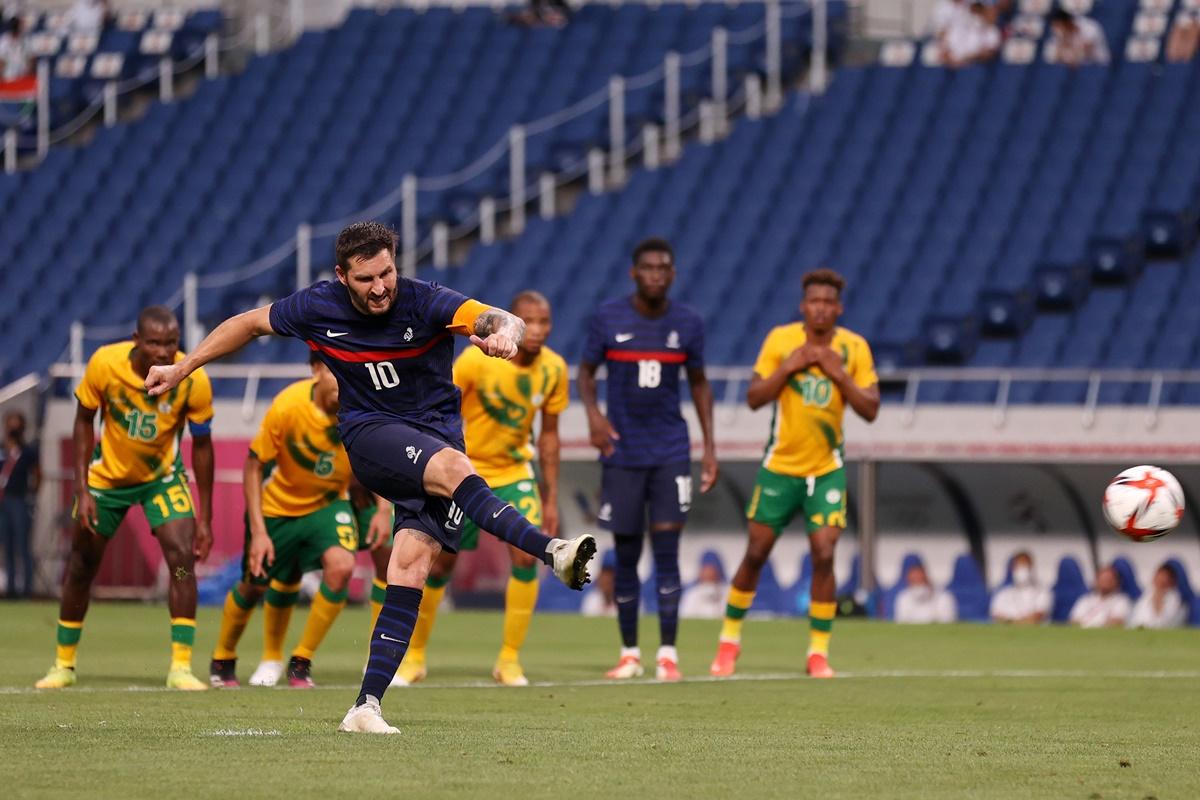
605,168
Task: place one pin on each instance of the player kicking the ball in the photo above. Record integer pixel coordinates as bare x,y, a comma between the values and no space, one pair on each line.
810,370
387,340
500,401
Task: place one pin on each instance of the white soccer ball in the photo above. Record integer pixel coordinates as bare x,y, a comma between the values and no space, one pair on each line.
1143,503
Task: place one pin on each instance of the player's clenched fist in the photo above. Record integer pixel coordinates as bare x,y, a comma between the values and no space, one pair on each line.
497,345
163,379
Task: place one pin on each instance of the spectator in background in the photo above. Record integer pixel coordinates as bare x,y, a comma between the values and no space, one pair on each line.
945,15
1184,39
1106,606
14,58
601,599
970,38
919,603
20,475
87,16
1078,40
1160,606
1024,601
705,599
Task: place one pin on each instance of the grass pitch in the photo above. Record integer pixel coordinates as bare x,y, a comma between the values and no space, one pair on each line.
935,712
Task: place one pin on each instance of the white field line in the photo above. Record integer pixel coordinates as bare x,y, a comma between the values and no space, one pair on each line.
1023,674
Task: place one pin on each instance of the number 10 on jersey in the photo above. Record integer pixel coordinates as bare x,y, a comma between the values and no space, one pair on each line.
383,375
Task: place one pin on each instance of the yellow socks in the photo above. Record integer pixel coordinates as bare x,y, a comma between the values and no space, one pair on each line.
325,609
737,605
277,614
435,589
233,622
68,642
519,599
820,621
378,595
183,636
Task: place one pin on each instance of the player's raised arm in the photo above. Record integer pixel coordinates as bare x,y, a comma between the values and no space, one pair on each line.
228,337
773,369
498,333
860,392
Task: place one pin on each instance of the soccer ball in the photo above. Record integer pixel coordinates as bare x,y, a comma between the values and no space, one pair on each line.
1143,503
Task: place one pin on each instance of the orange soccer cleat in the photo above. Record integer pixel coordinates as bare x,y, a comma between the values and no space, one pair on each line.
727,655
818,666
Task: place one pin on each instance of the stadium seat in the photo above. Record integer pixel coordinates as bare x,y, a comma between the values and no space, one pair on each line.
770,596
1190,600
1068,587
1128,578
969,590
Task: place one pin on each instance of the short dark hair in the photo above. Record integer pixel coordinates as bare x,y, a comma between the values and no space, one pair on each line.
364,240
158,315
654,244
823,277
1060,14
528,296
313,357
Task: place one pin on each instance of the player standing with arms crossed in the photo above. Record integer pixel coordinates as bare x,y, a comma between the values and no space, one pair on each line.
500,401
138,462
643,441
387,339
810,371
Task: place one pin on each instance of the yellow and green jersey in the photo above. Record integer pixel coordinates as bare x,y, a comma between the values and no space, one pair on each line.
306,465
499,401
140,434
806,430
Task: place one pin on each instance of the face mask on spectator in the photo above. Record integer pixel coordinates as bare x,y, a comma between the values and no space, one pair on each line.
1022,575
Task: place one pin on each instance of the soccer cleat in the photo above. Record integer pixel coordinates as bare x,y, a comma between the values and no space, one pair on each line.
222,673
667,670
627,667
366,718
818,666
57,678
570,558
727,655
509,673
398,681
411,670
299,673
267,673
182,678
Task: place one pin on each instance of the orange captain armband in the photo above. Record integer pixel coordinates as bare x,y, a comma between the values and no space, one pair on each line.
465,316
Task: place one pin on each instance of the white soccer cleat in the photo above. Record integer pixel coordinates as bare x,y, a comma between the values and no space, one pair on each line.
367,718
398,681
267,673
570,558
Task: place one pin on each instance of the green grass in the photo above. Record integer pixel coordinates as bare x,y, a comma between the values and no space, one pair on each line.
1047,712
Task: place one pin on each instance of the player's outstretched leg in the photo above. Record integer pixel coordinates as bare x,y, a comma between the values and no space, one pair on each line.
823,607
741,597
413,554
280,601
628,589
449,474
664,544
87,549
239,605
175,537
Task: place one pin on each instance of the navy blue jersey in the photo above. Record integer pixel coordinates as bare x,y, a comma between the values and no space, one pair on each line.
388,367
644,357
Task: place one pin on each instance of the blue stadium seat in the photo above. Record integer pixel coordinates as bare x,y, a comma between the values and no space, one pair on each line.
969,590
1068,588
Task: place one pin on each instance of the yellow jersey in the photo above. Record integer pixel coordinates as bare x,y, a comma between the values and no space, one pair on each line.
306,465
806,427
499,402
139,434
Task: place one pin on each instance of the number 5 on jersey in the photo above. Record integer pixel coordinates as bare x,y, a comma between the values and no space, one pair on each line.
383,375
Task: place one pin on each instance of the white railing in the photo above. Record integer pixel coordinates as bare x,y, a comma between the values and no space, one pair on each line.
605,169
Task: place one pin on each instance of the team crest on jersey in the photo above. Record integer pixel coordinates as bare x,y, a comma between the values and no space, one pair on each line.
408,334
412,453
537,400
164,407
673,340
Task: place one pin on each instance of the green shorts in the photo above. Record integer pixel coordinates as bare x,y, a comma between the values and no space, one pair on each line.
364,515
777,498
300,541
163,500
522,495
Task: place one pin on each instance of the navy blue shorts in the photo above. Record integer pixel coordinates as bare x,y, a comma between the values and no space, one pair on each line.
389,459
629,494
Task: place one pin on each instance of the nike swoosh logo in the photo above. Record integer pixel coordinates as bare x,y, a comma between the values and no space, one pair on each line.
387,638
498,513
623,337
333,335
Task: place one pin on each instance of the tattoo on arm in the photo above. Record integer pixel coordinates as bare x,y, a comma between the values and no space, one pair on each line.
496,321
